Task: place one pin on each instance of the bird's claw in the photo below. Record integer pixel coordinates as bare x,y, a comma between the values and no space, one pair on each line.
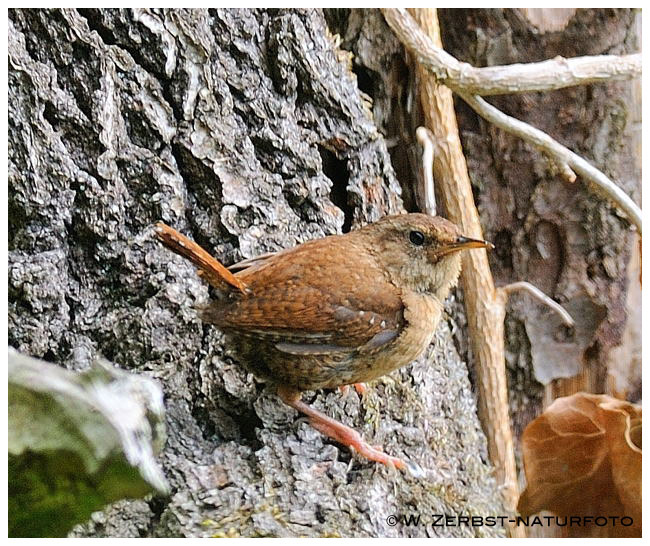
415,469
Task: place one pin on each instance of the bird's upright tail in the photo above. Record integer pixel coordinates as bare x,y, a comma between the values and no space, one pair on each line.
209,268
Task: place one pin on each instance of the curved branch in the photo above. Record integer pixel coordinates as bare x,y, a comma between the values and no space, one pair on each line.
459,77
548,75
599,181
540,296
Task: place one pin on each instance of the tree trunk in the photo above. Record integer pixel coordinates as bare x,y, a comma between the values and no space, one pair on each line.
247,130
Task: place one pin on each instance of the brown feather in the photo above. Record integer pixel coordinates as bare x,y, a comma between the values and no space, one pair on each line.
296,298
209,268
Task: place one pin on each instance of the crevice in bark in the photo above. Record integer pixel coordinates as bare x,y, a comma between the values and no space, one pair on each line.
75,135
154,67
503,248
365,79
337,171
93,17
157,504
204,194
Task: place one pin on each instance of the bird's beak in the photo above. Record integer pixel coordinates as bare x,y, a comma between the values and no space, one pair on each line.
466,242
463,243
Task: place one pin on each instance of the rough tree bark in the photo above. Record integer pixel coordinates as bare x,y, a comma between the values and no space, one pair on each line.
245,129
552,233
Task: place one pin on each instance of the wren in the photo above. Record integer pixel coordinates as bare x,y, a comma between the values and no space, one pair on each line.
340,310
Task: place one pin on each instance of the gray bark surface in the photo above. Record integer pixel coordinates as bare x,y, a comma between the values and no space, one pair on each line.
246,130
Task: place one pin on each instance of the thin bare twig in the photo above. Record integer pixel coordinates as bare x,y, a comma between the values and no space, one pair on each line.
539,295
599,181
426,139
451,72
547,75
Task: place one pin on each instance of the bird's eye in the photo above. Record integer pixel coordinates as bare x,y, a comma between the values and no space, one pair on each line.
417,238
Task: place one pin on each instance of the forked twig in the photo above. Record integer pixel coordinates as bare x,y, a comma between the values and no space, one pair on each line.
469,82
548,75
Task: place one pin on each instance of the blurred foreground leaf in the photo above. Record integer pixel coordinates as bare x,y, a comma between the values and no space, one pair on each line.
582,457
78,441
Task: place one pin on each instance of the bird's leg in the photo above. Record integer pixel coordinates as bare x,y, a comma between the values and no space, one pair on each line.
336,430
361,388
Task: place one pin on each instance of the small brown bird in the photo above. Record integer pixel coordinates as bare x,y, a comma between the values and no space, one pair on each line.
336,311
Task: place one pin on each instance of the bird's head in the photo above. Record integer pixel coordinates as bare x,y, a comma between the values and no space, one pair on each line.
419,251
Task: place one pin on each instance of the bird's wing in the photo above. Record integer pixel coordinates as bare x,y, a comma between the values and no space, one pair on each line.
303,319
319,299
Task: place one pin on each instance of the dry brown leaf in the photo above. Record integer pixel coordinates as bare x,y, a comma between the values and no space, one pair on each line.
582,457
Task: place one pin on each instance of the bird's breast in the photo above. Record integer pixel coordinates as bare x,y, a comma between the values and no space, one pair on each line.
422,314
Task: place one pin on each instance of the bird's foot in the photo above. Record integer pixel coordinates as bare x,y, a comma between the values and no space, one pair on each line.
339,432
352,439
361,388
